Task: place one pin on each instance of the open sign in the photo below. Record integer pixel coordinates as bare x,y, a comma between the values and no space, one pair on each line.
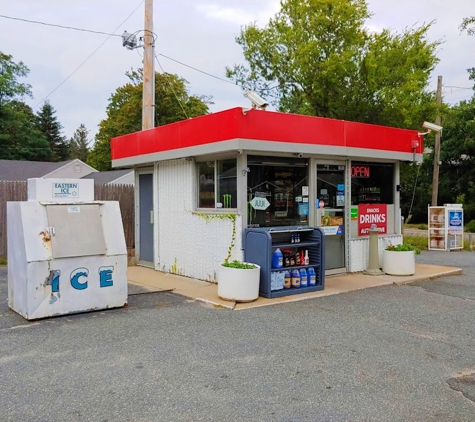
360,171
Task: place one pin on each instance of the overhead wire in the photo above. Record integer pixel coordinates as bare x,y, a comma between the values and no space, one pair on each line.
173,89
59,26
94,52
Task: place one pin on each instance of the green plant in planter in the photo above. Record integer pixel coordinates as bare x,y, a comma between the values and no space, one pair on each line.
238,264
403,248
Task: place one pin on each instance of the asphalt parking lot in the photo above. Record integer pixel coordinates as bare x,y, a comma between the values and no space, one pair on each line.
397,353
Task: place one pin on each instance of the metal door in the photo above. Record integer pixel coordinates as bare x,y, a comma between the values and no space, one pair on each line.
330,215
145,219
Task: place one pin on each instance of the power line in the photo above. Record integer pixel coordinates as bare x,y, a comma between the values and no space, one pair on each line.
173,89
94,52
109,35
198,70
457,87
59,26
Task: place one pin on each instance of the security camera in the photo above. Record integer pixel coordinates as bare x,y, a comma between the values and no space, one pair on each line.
256,100
432,126
239,151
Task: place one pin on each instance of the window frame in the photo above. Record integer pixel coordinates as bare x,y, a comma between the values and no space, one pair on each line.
214,209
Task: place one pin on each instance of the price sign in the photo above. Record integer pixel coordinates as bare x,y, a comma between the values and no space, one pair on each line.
260,204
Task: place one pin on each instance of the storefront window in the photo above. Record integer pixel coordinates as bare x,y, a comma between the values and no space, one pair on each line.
217,184
372,183
277,191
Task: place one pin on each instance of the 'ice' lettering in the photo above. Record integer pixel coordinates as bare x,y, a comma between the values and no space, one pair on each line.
105,276
76,275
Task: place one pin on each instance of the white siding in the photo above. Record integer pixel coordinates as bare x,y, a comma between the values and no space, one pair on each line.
359,251
73,170
189,244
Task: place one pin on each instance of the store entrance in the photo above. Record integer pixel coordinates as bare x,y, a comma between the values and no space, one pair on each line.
330,214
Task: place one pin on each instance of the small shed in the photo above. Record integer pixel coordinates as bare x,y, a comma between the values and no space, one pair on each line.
198,178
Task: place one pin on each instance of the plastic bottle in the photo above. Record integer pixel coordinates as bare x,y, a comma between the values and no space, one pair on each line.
312,278
306,258
277,259
303,278
295,279
287,280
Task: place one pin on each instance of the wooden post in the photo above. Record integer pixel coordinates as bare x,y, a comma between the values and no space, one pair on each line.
435,176
148,99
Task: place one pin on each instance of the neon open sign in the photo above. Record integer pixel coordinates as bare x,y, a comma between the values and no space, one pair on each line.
360,171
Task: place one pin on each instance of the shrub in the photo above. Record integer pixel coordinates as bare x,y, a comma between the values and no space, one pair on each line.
403,248
238,264
470,227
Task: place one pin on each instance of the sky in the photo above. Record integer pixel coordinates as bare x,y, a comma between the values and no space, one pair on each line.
79,71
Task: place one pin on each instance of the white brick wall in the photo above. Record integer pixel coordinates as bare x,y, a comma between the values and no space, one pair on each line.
189,244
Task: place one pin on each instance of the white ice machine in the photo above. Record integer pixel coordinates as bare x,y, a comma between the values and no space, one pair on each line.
65,257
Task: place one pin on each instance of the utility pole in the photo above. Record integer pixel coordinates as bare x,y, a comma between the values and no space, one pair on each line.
148,101
435,176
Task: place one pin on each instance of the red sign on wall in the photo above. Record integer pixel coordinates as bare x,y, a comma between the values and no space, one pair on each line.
368,215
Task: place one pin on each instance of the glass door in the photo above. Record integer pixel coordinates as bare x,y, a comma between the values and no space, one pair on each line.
330,214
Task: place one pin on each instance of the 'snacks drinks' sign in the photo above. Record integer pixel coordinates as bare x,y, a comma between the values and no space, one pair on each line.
369,214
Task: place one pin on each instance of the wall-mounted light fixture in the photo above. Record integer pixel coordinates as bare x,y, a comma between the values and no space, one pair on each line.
245,171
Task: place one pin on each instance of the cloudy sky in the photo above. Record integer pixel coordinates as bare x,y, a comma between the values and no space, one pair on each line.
78,71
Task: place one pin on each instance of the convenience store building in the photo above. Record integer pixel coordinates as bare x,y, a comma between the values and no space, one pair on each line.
269,169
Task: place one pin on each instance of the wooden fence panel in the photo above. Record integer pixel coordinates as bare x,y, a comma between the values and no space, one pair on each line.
9,191
124,194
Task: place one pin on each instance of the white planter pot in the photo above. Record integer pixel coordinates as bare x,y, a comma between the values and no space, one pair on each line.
399,263
237,284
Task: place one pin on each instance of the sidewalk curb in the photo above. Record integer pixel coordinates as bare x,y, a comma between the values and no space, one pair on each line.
456,271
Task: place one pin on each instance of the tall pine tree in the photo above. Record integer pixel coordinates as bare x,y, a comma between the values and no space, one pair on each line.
78,147
48,124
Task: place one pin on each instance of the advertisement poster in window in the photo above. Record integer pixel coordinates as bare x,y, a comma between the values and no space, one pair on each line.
368,215
455,221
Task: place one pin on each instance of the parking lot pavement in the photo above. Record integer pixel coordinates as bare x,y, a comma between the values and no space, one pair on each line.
396,353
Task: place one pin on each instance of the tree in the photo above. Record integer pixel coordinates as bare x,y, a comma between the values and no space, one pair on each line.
124,112
19,137
465,25
316,57
78,144
9,72
48,124
457,153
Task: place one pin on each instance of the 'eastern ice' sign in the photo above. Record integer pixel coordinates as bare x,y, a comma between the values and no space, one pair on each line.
369,214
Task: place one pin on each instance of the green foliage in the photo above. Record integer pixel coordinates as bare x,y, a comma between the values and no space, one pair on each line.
238,264
466,25
404,247
124,112
418,242
78,144
318,58
19,137
3,261
470,226
48,124
422,226
10,71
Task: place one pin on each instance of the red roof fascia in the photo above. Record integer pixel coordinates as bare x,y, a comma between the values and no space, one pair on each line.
263,126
